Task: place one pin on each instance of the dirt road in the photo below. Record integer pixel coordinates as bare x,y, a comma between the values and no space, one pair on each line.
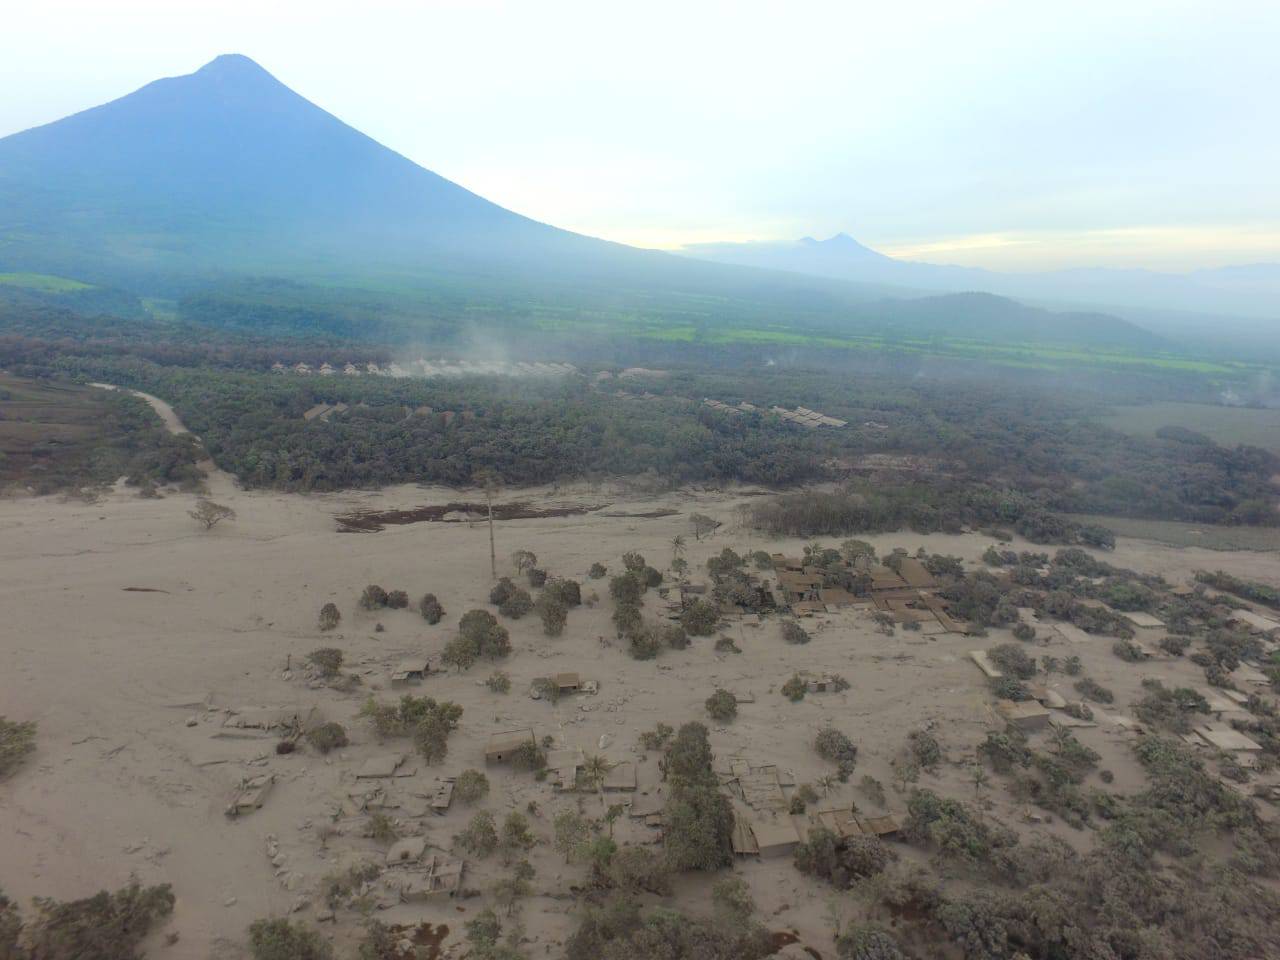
217,480
171,420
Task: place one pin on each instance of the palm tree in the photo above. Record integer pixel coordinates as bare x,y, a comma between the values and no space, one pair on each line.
594,770
1061,737
826,782
677,547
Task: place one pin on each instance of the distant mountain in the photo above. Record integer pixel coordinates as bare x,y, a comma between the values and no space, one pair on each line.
227,166
228,192
1252,290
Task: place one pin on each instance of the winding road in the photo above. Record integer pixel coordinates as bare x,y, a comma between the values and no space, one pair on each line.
171,420
173,423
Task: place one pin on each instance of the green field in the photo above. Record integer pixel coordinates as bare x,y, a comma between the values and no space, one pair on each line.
1028,354
1227,426
1178,534
47,430
43,282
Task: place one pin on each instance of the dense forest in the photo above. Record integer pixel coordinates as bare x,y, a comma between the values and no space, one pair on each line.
947,435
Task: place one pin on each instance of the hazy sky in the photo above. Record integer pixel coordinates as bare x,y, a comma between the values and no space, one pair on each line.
1004,134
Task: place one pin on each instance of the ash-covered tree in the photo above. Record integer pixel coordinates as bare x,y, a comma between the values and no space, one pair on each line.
486,637
508,890
282,939
834,746
699,819
480,837
373,598
402,718
795,688
431,738
722,706
700,617
498,682
210,514
327,736
326,660
430,608
868,942
105,926
501,591
330,617
460,653
17,742
472,786
554,614
515,836
568,592
726,562
792,632
842,863
1013,660
703,526
644,643
517,604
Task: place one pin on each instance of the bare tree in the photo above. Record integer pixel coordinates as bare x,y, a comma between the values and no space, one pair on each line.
210,513
488,481
702,525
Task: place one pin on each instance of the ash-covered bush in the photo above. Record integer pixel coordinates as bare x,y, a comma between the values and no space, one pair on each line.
1013,660
700,617
472,786
330,617
517,604
792,632
722,706
17,742
795,688
1090,689
327,736
835,747
327,660
924,748
106,926
430,608
373,598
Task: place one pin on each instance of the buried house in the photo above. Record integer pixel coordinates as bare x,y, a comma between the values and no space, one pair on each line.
411,671
502,747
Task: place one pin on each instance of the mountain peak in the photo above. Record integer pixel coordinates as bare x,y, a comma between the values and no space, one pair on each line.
243,169
841,245
233,64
